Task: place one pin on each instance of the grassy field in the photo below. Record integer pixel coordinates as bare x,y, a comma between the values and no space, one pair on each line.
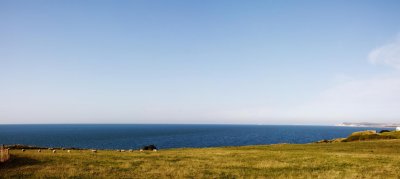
368,159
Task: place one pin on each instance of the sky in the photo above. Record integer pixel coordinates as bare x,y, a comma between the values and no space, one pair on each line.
199,62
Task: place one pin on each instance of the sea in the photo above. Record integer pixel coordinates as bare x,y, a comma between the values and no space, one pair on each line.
164,136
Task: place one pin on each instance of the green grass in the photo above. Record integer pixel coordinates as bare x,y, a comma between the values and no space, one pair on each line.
369,159
395,134
367,135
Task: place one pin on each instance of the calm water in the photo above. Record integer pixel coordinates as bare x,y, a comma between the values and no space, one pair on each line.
133,136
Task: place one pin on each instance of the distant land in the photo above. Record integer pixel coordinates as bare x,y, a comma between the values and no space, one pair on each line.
368,124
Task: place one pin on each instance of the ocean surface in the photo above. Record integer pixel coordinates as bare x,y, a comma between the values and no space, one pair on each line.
134,136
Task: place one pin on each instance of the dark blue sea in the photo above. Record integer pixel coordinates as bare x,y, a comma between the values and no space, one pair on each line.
134,136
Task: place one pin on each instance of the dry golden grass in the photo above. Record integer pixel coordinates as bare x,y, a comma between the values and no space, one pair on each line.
370,159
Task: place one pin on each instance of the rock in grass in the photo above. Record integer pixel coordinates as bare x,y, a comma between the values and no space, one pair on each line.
150,147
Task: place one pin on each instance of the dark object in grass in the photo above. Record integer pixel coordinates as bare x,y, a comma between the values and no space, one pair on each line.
149,147
382,131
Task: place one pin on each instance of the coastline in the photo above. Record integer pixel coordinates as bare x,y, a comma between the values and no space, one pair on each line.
355,136
166,136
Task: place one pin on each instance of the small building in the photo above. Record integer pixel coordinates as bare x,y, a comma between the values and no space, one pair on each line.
397,128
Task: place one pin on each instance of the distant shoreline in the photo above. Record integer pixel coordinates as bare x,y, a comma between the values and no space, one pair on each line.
367,124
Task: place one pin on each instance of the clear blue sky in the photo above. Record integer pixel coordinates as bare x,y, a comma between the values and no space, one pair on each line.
264,62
